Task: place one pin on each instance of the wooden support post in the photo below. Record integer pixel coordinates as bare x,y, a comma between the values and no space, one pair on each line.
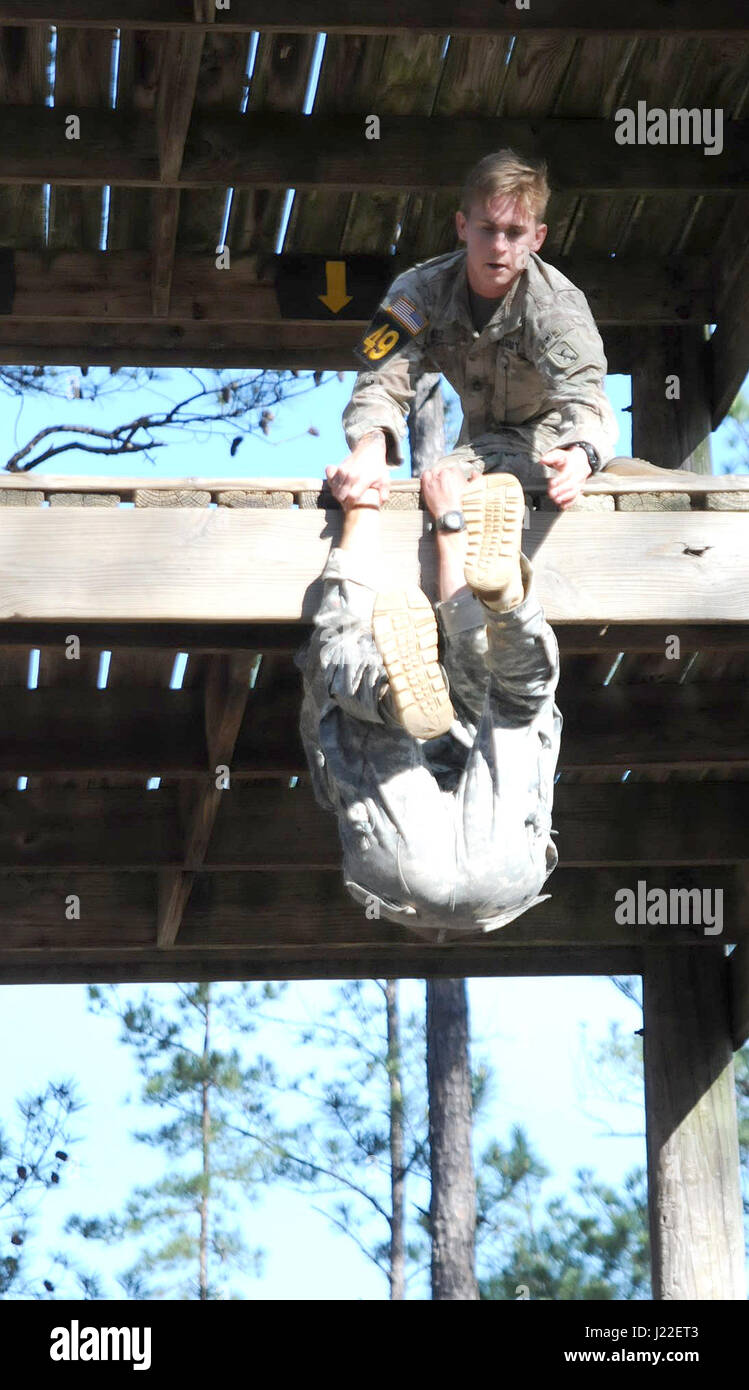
672,433
696,1220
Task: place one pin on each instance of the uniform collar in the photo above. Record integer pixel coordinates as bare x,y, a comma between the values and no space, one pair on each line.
508,314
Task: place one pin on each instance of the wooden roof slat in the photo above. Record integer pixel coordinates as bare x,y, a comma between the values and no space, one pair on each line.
348,81
435,16
82,84
279,81
470,82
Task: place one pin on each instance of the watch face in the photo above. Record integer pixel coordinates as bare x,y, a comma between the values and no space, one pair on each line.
452,521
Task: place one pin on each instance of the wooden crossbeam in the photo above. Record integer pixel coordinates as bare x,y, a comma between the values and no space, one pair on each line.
195,564
122,286
227,683
257,828
144,732
356,17
575,639
385,960
295,909
283,150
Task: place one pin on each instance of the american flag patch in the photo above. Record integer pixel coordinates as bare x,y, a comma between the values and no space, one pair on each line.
406,313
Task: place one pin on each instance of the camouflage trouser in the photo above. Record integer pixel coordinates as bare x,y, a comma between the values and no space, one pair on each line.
491,453
440,861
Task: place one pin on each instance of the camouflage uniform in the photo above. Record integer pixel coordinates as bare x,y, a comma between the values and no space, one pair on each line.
453,834
530,380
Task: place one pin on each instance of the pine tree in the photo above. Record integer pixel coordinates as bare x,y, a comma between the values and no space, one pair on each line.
188,1241
32,1162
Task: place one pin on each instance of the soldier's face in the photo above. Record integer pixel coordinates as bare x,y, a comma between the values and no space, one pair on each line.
499,235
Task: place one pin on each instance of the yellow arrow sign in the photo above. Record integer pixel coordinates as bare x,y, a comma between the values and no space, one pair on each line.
335,297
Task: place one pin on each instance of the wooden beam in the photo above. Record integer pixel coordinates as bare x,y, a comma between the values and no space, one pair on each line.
608,483
354,961
143,732
355,16
121,286
227,684
292,909
696,1219
575,639
167,344
192,564
260,828
424,154
420,154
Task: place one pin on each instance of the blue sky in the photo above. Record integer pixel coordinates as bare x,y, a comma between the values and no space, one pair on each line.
537,1033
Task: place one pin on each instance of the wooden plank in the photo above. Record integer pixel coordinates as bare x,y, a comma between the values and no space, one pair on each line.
696,1218
610,482
208,639
277,827
83,65
190,564
118,826
435,16
311,908
144,732
283,149
113,286
320,347
425,153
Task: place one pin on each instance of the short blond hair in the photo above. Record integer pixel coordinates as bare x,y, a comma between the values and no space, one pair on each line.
506,172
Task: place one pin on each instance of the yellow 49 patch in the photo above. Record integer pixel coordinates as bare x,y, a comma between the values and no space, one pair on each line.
392,326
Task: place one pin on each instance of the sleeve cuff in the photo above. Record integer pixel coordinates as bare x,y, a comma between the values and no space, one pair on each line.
460,614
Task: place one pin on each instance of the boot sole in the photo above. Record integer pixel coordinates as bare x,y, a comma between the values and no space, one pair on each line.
493,507
405,634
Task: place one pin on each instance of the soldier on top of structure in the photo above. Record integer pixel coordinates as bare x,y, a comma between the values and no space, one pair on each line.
513,336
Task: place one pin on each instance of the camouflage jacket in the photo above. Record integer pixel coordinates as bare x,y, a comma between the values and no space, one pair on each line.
533,376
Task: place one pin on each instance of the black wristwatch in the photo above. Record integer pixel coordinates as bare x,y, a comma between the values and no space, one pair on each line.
450,521
593,457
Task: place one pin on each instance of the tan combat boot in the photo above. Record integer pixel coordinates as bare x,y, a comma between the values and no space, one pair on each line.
405,633
493,506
